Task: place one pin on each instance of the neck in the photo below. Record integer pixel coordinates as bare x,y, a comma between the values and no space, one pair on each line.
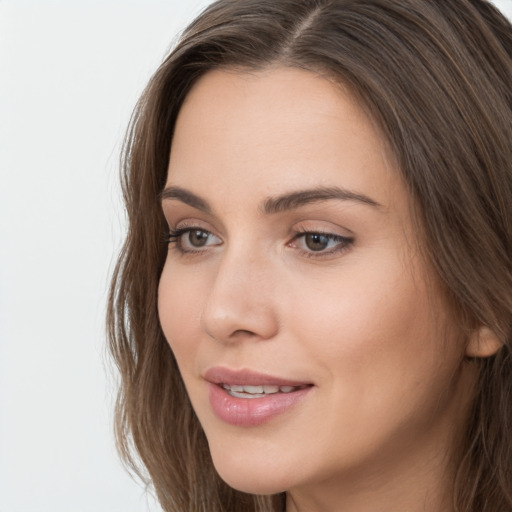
381,493
404,479
377,498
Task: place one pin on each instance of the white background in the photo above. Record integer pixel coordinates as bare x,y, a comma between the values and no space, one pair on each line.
70,73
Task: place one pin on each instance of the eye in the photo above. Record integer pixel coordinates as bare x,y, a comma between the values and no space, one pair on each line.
197,237
317,241
320,244
192,239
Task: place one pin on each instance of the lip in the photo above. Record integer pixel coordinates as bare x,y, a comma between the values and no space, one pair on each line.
250,412
222,375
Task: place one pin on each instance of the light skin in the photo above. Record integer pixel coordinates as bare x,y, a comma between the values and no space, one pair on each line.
257,161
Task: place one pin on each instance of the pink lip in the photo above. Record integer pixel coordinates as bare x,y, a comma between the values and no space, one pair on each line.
250,412
221,375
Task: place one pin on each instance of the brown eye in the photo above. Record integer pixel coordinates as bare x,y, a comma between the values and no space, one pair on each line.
189,240
316,241
320,244
198,237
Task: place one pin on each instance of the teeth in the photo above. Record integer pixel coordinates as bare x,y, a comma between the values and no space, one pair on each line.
257,391
253,389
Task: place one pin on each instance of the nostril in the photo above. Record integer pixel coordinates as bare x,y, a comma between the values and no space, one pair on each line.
237,310
243,332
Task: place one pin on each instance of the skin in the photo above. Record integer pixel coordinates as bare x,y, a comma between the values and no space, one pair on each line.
364,321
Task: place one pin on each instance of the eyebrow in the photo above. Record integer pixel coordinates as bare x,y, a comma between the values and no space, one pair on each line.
281,203
294,200
185,197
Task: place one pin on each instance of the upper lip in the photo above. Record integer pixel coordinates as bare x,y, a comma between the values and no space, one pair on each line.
245,377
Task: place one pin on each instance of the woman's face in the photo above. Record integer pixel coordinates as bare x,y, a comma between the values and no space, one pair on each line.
312,338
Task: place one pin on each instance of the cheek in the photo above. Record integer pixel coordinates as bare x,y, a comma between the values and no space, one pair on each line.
364,306
375,326
179,311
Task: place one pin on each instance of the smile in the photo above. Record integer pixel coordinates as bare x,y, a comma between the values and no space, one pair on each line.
246,398
261,391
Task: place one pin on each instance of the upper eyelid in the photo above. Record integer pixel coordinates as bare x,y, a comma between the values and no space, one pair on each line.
313,225
324,228
322,231
294,232
189,224
180,230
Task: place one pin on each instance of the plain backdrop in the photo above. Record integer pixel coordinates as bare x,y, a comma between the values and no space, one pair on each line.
70,74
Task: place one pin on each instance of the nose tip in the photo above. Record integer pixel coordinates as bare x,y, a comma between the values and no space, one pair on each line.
240,306
231,319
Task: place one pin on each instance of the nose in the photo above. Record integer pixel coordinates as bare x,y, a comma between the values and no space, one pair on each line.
241,303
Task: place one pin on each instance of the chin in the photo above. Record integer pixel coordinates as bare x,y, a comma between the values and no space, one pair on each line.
252,484
247,475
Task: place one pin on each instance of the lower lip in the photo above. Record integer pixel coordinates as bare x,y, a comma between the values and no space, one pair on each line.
249,412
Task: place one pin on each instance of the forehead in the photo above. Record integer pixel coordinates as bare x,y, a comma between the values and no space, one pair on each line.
275,129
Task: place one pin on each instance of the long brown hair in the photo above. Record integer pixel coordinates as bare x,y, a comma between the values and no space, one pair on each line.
436,76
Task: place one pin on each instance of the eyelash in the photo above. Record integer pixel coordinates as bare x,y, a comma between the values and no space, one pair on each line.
343,243
174,237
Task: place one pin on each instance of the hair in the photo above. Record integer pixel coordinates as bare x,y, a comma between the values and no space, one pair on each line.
435,75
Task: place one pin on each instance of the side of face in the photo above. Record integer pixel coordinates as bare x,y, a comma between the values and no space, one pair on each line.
293,258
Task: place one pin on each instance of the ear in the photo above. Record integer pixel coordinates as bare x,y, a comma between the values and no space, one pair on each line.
483,342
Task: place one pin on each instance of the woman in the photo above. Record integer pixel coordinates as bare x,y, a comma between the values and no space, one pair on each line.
312,309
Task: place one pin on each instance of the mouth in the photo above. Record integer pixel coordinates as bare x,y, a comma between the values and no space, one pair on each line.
259,391
246,398
250,382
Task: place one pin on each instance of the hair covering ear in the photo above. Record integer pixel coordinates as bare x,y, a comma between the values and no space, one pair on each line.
483,342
